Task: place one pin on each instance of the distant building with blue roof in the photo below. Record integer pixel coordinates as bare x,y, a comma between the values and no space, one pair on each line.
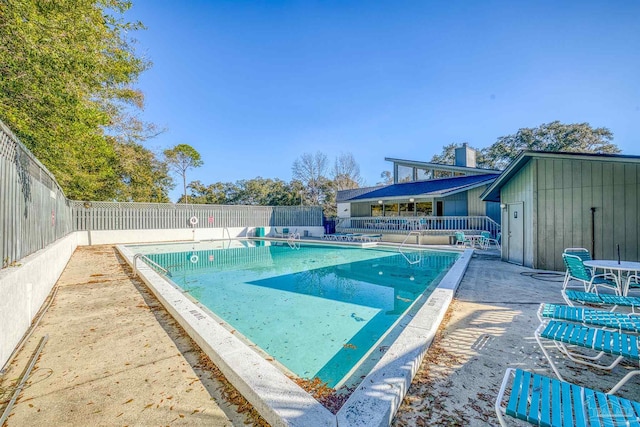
425,189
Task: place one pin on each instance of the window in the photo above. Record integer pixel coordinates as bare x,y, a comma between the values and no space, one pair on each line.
407,209
391,209
376,210
424,174
424,208
405,174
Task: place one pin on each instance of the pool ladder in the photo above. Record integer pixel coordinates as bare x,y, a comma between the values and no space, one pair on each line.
150,262
419,257
294,240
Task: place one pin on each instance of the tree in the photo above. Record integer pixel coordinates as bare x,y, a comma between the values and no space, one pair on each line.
346,172
181,158
311,171
554,136
266,192
448,157
219,193
67,73
257,191
387,178
143,178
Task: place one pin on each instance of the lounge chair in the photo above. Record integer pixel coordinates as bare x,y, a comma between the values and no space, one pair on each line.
594,298
546,401
577,271
589,316
345,237
282,234
605,342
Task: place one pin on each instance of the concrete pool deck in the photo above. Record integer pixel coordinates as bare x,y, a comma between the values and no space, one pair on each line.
115,356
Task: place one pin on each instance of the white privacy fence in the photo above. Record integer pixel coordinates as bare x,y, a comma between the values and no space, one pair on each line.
144,216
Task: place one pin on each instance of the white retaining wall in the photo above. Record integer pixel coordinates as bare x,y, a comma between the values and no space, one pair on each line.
24,288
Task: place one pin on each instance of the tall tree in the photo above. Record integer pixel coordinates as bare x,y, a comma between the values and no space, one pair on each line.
219,193
143,178
346,172
554,136
387,178
181,158
265,192
311,170
257,191
67,72
448,156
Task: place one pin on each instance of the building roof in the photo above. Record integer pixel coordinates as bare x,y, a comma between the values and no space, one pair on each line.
344,195
492,193
431,188
441,166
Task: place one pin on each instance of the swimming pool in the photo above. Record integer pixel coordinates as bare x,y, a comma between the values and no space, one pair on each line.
319,311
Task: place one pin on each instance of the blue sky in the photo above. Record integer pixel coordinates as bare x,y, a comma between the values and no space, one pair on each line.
253,85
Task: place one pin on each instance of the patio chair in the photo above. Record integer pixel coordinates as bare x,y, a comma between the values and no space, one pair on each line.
577,271
594,298
545,401
486,240
590,316
633,283
607,343
461,240
581,253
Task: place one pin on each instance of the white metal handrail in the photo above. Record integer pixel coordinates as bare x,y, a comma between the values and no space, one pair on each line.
293,240
409,234
151,263
228,233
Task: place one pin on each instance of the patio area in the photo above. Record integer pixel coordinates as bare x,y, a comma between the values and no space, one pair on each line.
115,356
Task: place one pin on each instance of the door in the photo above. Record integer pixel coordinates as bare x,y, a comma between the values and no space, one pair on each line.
515,230
439,208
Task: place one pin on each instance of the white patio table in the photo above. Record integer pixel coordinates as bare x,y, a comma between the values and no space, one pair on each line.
621,269
475,239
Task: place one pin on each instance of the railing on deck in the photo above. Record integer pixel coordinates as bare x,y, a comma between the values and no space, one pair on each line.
427,225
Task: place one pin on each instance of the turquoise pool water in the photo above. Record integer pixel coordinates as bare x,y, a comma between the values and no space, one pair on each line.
318,310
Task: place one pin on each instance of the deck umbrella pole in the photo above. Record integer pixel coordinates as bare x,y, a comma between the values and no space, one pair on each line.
593,232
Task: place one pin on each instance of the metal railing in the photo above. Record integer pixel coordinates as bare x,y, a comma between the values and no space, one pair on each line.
427,225
416,259
149,262
34,211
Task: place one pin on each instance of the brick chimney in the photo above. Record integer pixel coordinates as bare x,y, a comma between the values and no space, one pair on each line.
466,156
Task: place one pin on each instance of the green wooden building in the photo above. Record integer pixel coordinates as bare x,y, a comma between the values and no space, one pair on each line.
554,200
